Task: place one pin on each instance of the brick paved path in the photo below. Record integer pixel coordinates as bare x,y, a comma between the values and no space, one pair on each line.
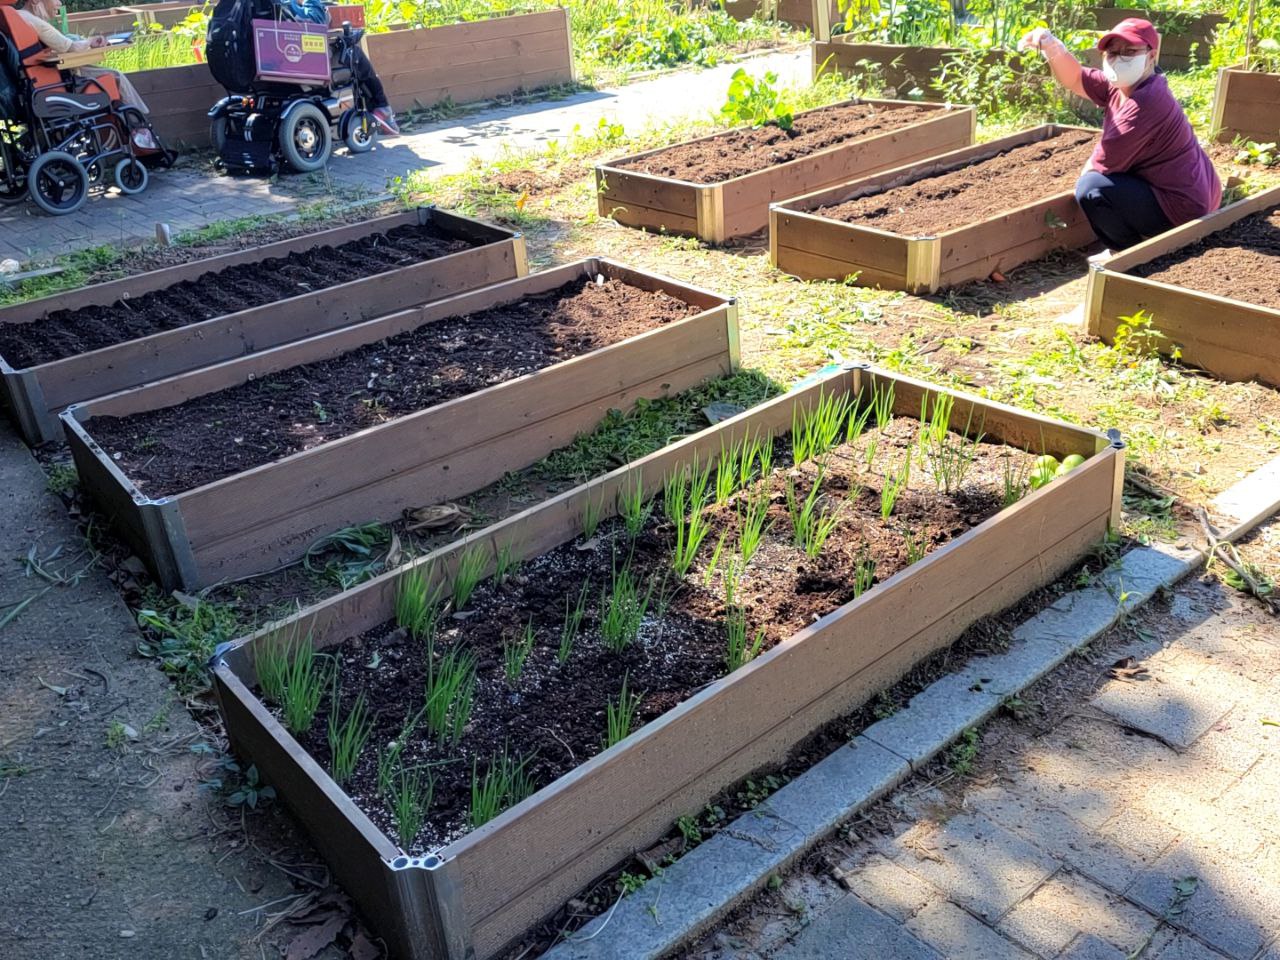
1141,820
192,195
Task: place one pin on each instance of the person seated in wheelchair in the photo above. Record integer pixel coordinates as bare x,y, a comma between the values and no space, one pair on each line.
314,11
39,16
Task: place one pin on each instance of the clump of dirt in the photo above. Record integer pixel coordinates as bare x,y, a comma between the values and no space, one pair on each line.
66,333
554,713
749,149
209,437
979,191
1241,262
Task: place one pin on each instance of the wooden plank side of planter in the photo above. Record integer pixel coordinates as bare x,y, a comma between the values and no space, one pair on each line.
740,205
44,390
817,16
1246,106
179,99
272,513
812,247
1178,33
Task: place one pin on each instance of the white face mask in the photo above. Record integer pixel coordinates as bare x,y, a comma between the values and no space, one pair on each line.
1124,71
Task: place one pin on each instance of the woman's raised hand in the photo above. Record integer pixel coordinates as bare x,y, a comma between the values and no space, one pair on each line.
1035,39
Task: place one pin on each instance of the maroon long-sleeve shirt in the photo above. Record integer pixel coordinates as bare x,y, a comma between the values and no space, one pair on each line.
1149,136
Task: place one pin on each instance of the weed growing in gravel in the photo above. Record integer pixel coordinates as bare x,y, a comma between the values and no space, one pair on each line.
752,514
964,753
471,567
183,637
347,735
893,486
622,610
417,605
515,652
505,783
620,715
810,527
572,623
449,693
632,506
816,431
410,800
684,497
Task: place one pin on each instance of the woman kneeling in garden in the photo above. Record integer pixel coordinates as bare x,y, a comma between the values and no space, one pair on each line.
1148,173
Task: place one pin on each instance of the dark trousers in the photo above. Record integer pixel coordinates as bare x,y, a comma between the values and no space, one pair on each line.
1121,207
370,85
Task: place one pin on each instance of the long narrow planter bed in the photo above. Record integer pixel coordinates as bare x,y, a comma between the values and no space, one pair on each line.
101,339
1246,106
1210,287
1185,39
738,175
831,641
239,467
817,16
939,223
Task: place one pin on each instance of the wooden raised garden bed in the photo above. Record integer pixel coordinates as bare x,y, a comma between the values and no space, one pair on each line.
101,339
719,206
358,424
1209,287
810,237
451,890
1246,106
1185,40
817,16
900,69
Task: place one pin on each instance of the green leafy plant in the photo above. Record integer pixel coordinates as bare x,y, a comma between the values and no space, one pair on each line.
864,575
810,526
632,506
411,795
592,511
916,544
622,610
739,649
471,568
505,783
389,756
882,406
715,558
572,624
515,652
347,735
351,555
449,693
753,513
893,486
620,715
755,101
505,563
817,430
949,460
856,424
1013,476
728,471
685,494
294,676
418,605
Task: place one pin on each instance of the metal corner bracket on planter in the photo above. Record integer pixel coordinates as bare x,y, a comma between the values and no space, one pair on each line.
716,212
260,518
37,394
812,247
1231,339
483,891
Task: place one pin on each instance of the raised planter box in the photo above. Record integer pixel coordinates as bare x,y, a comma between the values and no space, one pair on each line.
814,247
716,212
461,62
36,394
476,895
1246,106
1231,339
816,16
257,519
1185,40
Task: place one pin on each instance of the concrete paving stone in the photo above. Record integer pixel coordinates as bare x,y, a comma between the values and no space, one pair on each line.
852,930
801,898
958,935
1179,946
887,887
1237,897
1067,906
1179,702
934,717
830,791
1272,952
1245,498
1079,613
1255,799
1142,572
1088,947
977,864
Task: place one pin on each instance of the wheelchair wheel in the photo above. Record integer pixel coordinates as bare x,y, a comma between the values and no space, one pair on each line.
131,176
360,131
13,183
305,140
59,183
218,134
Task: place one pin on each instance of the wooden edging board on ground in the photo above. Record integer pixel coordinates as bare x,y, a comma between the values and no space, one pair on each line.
1185,39
814,247
37,394
1246,106
716,212
1231,339
476,895
261,518
459,62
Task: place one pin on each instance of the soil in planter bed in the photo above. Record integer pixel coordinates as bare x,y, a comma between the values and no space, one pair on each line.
66,333
176,448
1241,262
553,714
980,191
750,149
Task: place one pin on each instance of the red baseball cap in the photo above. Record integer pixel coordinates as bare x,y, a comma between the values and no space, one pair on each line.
1135,31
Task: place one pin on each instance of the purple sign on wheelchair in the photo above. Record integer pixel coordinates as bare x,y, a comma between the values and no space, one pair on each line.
291,52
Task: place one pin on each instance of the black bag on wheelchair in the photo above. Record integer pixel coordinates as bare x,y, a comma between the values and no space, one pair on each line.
229,44
10,81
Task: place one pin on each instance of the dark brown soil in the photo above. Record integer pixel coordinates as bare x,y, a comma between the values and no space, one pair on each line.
1241,262
1014,177
66,333
177,448
554,714
746,150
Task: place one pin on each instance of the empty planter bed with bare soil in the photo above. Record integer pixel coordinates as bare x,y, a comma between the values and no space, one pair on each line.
480,735
720,186
943,221
252,460
1210,287
108,337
